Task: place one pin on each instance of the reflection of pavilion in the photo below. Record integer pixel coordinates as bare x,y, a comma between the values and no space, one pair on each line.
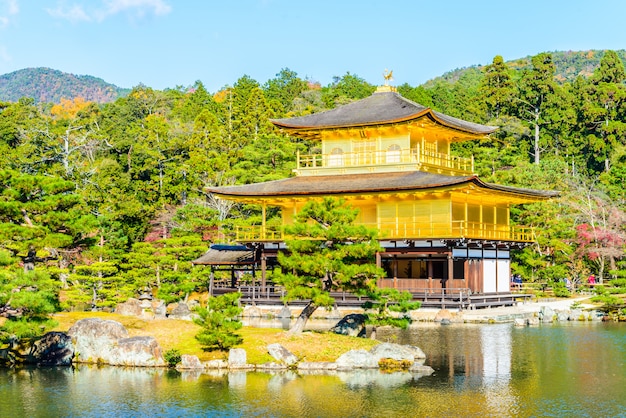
441,227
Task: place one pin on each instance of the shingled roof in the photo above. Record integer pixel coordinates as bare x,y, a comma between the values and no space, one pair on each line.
226,255
367,183
380,108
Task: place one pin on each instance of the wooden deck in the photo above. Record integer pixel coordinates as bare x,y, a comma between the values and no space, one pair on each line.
438,299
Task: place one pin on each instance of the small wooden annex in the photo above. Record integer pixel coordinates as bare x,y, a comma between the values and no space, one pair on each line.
440,225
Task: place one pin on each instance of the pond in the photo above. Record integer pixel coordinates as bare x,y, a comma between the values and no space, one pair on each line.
495,370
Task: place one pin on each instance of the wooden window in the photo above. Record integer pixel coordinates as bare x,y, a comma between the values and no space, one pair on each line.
364,152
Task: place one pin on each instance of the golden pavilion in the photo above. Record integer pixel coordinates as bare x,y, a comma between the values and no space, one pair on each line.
441,227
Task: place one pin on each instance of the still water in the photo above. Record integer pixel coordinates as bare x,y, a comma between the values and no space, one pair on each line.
497,370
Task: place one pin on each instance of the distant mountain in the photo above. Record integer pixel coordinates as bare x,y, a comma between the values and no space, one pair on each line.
569,65
49,86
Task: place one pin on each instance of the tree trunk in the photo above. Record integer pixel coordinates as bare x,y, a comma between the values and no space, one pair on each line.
537,150
306,313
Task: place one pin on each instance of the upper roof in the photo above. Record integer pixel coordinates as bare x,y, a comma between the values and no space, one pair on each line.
405,181
380,108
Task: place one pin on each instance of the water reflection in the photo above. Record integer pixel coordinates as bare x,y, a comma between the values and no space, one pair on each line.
480,370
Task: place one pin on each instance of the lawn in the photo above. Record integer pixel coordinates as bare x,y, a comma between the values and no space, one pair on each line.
179,334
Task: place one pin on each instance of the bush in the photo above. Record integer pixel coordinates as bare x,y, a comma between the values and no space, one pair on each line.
219,321
172,357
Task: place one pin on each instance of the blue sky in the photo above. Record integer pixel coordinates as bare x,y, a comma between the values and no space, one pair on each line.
170,43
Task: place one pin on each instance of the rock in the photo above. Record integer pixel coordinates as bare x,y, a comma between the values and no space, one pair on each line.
94,338
237,358
107,342
562,315
352,325
418,353
132,307
281,354
520,322
271,366
533,320
392,351
320,365
53,349
546,314
356,359
137,351
189,362
159,309
447,317
216,364
181,311
285,312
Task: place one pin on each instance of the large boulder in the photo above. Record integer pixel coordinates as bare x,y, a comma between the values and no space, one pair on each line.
352,325
95,339
393,351
107,342
188,362
53,349
137,351
181,311
281,354
132,307
356,359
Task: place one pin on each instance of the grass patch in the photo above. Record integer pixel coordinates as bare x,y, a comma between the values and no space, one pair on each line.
180,335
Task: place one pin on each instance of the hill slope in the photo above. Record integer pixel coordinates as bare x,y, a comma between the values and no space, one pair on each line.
49,86
569,65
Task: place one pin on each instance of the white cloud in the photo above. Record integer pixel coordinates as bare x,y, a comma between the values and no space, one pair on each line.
158,7
135,8
74,13
8,8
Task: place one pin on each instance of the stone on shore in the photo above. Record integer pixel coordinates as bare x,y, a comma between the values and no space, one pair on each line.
356,359
352,325
107,342
189,362
392,351
281,354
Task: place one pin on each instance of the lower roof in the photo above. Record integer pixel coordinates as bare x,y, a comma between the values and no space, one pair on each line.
408,181
226,255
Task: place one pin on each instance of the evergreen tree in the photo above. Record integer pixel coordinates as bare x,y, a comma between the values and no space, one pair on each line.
327,253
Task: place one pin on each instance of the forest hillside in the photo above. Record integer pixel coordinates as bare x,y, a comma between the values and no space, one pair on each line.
46,85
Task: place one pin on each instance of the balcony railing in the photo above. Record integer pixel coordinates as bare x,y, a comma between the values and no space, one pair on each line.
400,230
414,157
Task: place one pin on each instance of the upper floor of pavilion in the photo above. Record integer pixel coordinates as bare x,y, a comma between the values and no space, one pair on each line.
383,133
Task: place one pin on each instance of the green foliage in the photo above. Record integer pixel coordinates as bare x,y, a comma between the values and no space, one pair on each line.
26,328
328,253
387,300
219,321
560,290
47,85
33,296
172,357
111,197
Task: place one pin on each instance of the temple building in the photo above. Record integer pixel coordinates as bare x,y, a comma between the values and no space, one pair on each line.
440,225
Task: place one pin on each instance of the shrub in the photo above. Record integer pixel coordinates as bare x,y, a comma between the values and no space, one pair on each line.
172,357
219,321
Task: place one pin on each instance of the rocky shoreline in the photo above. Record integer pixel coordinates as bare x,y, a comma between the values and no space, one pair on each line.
97,341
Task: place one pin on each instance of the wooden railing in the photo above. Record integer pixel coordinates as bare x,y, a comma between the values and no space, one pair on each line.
415,157
410,230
